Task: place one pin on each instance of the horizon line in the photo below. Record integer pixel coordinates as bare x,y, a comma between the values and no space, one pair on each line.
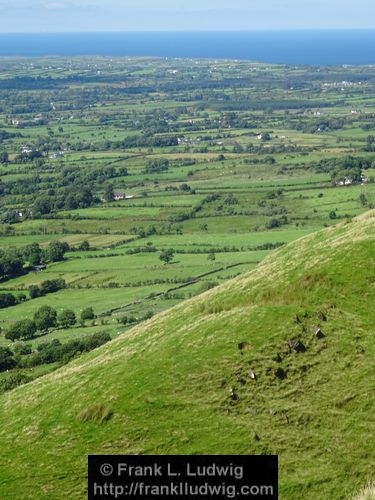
250,30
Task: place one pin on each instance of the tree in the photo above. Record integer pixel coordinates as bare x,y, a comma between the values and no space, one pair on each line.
82,198
237,148
9,217
4,157
109,194
370,143
363,199
273,223
266,136
84,246
7,300
24,329
11,264
51,286
34,291
6,359
55,251
332,214
157,166
42,206
123,171
87,314
12,334
231,200
166,256
185,187
33,254
211,256
67,318
45,317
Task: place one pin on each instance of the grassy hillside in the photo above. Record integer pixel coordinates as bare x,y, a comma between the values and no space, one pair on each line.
180,382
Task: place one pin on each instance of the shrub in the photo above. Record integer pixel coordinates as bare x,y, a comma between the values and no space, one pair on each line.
6,359
22,349
13,381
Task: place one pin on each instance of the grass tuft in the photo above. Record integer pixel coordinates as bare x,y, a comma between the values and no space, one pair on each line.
99,414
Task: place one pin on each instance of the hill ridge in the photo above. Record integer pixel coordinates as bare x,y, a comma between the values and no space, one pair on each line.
180,383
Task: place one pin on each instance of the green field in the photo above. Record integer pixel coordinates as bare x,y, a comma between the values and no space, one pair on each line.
157,189
219,192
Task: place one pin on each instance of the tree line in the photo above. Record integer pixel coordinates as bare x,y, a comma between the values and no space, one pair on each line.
45,318
18,261
23,356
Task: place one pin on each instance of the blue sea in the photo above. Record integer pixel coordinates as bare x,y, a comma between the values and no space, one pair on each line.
352,47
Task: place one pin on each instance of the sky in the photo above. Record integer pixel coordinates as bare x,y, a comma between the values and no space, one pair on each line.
178,15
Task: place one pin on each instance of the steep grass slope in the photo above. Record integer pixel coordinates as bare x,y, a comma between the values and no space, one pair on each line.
180,383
